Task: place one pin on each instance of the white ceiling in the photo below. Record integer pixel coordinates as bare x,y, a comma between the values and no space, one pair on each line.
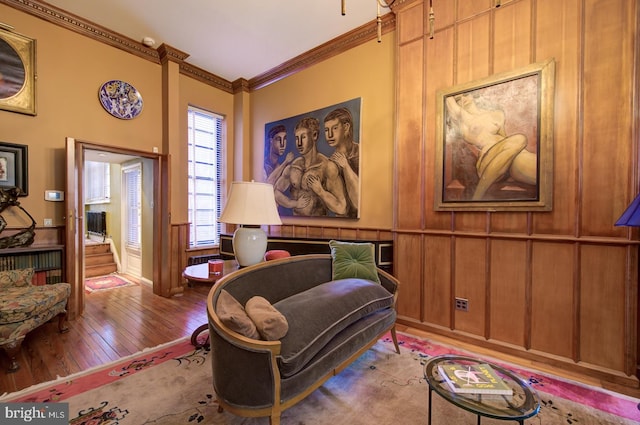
233,38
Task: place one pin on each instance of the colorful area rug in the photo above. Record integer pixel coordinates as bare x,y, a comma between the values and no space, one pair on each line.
171,384
110,281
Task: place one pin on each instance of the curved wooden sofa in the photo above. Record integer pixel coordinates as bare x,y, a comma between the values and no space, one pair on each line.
250,376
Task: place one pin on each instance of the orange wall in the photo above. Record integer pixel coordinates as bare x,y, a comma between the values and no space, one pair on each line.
67,106
368,72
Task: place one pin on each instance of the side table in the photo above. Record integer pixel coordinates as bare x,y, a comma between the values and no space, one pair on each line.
523,404
199,273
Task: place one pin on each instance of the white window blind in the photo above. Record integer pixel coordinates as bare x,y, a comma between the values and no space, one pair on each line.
97,182
205,176
133,187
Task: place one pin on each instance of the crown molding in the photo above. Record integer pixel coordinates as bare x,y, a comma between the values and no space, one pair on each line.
340,44
82,26
205,77
354,38
241,85
168,53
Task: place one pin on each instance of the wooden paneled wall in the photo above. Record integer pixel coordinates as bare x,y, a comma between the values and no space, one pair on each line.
560,287
330,232
179,243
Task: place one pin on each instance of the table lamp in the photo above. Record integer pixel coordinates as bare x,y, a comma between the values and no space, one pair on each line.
250,205
631,216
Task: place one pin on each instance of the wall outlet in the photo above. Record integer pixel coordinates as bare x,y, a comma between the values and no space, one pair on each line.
48,222
462,304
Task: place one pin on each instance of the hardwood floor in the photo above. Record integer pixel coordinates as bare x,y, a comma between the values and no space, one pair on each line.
116,323
123,321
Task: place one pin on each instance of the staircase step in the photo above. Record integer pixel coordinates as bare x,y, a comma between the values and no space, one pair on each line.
99,270
96,248
98,259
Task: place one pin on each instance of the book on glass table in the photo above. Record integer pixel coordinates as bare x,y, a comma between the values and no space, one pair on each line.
473,379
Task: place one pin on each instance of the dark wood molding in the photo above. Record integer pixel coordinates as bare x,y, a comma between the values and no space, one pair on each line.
54,15
83,26
168,53
206,77
241,85
354,38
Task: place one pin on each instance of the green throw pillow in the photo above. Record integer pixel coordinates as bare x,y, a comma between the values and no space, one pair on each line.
353,260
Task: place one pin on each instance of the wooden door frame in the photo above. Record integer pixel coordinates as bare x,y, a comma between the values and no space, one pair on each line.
74,240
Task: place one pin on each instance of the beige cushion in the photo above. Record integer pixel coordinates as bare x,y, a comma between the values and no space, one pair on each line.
16,278
271,324
234,316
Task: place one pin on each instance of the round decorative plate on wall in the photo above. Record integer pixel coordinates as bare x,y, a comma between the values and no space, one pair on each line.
120,99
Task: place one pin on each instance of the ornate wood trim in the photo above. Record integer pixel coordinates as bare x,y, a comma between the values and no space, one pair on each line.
168,53
82,26
205,77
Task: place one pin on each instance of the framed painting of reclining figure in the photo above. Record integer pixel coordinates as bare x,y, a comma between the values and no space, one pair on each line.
494,147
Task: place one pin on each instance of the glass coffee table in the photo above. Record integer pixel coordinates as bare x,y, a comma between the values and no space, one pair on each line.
523,404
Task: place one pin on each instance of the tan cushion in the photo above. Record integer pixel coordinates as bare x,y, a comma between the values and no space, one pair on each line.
16,278
233,316
271,324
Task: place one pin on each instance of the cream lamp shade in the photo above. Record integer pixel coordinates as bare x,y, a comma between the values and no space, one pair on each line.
250,204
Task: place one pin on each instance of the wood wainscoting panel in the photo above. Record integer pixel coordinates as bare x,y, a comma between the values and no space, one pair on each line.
466,9
534,280
517,222
408,268
179,245
472,49
411,28
439,74
553,300
512,36
437,271
508,289
562,18
602,309
410,138
470,283
608,92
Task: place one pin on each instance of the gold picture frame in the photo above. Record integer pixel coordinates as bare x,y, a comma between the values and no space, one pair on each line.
17,73
494,142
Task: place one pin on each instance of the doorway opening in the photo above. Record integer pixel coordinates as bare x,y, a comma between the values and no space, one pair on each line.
114,244
155,214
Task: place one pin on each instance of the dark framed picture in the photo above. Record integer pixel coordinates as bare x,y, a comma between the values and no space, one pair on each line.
494,141
13,167
17,73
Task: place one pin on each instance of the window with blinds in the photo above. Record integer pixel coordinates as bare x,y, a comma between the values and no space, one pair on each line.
97,182
132,182
205,176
